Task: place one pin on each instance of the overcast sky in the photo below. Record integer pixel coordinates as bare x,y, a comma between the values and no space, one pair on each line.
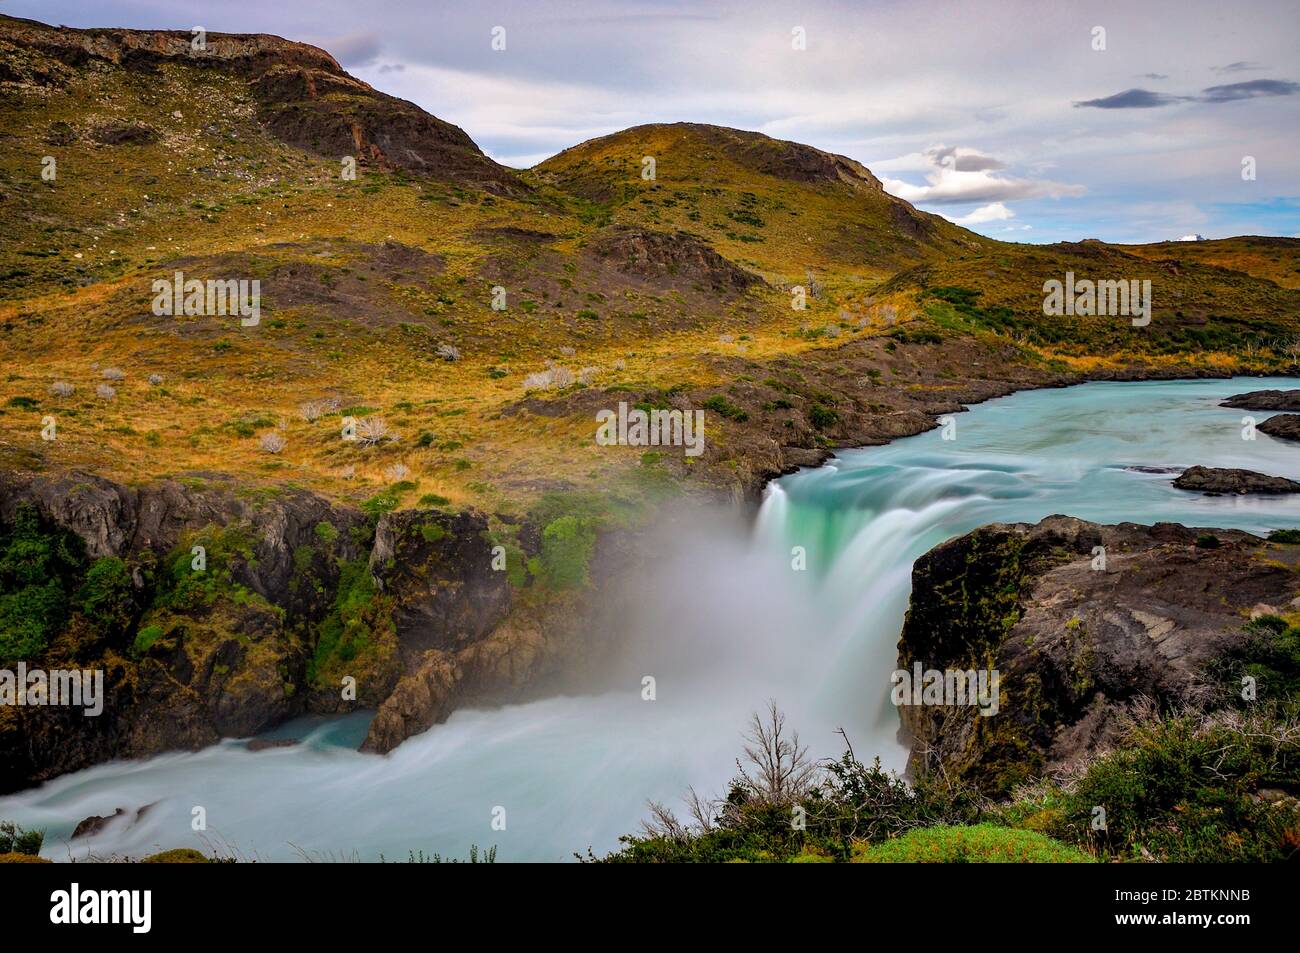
999,115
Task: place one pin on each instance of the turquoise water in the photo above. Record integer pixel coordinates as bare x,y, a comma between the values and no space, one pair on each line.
723,626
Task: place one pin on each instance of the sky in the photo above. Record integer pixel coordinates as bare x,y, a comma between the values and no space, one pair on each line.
1033,121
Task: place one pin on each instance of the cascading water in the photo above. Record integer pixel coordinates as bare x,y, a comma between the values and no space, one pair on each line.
724,626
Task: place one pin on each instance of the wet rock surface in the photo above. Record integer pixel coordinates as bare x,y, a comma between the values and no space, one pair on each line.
1265,400
1077,640
1217,481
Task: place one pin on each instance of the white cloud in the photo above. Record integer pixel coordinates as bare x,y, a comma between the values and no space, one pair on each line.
982,180
993,212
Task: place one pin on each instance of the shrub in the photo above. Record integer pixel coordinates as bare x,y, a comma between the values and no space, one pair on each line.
448,352
16,840
725,408
62,389
112,374
553,378
272,442
1290,537
380,503
1183,789
106,596
372,430
38,567
822,417
105,392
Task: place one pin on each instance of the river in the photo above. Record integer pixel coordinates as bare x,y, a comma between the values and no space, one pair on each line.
723,628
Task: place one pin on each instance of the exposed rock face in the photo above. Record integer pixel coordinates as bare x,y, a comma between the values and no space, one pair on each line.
1265,400
304,96
662,256
1075,646
295,593
439,570
218,661
1216,481
1283,426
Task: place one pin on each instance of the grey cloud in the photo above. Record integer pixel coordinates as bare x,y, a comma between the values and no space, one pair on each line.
1240,66
1131,99
1147,99
948,156
1249,90
1155,75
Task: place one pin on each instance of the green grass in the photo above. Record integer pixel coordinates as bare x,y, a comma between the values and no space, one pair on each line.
975,844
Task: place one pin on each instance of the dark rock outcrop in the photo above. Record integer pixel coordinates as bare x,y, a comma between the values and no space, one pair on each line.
1264,400
304,96
1217,480
1082,622
661,256
1283,426
296,594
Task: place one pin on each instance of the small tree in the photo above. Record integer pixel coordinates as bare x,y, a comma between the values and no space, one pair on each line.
776,769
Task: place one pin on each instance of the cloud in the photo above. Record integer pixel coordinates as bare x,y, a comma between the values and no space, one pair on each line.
1131,99
1249,90
993,212
1231,92
1240,66
1155,75
350,49
962,160
956,175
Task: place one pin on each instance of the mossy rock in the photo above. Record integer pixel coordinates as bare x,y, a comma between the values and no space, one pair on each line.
977,844
178,855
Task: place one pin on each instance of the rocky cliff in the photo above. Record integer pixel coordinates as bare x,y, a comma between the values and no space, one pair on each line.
220,611
1082,622
303,95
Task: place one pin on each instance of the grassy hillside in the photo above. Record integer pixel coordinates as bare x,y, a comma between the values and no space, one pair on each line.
378,291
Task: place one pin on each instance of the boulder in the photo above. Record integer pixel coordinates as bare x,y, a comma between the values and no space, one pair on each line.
1264,400
1283,426
1083,623
1216,481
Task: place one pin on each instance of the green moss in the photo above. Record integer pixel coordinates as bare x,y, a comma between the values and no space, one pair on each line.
227,550
358,631
178,855
326,532
145,638
567,545
975,844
